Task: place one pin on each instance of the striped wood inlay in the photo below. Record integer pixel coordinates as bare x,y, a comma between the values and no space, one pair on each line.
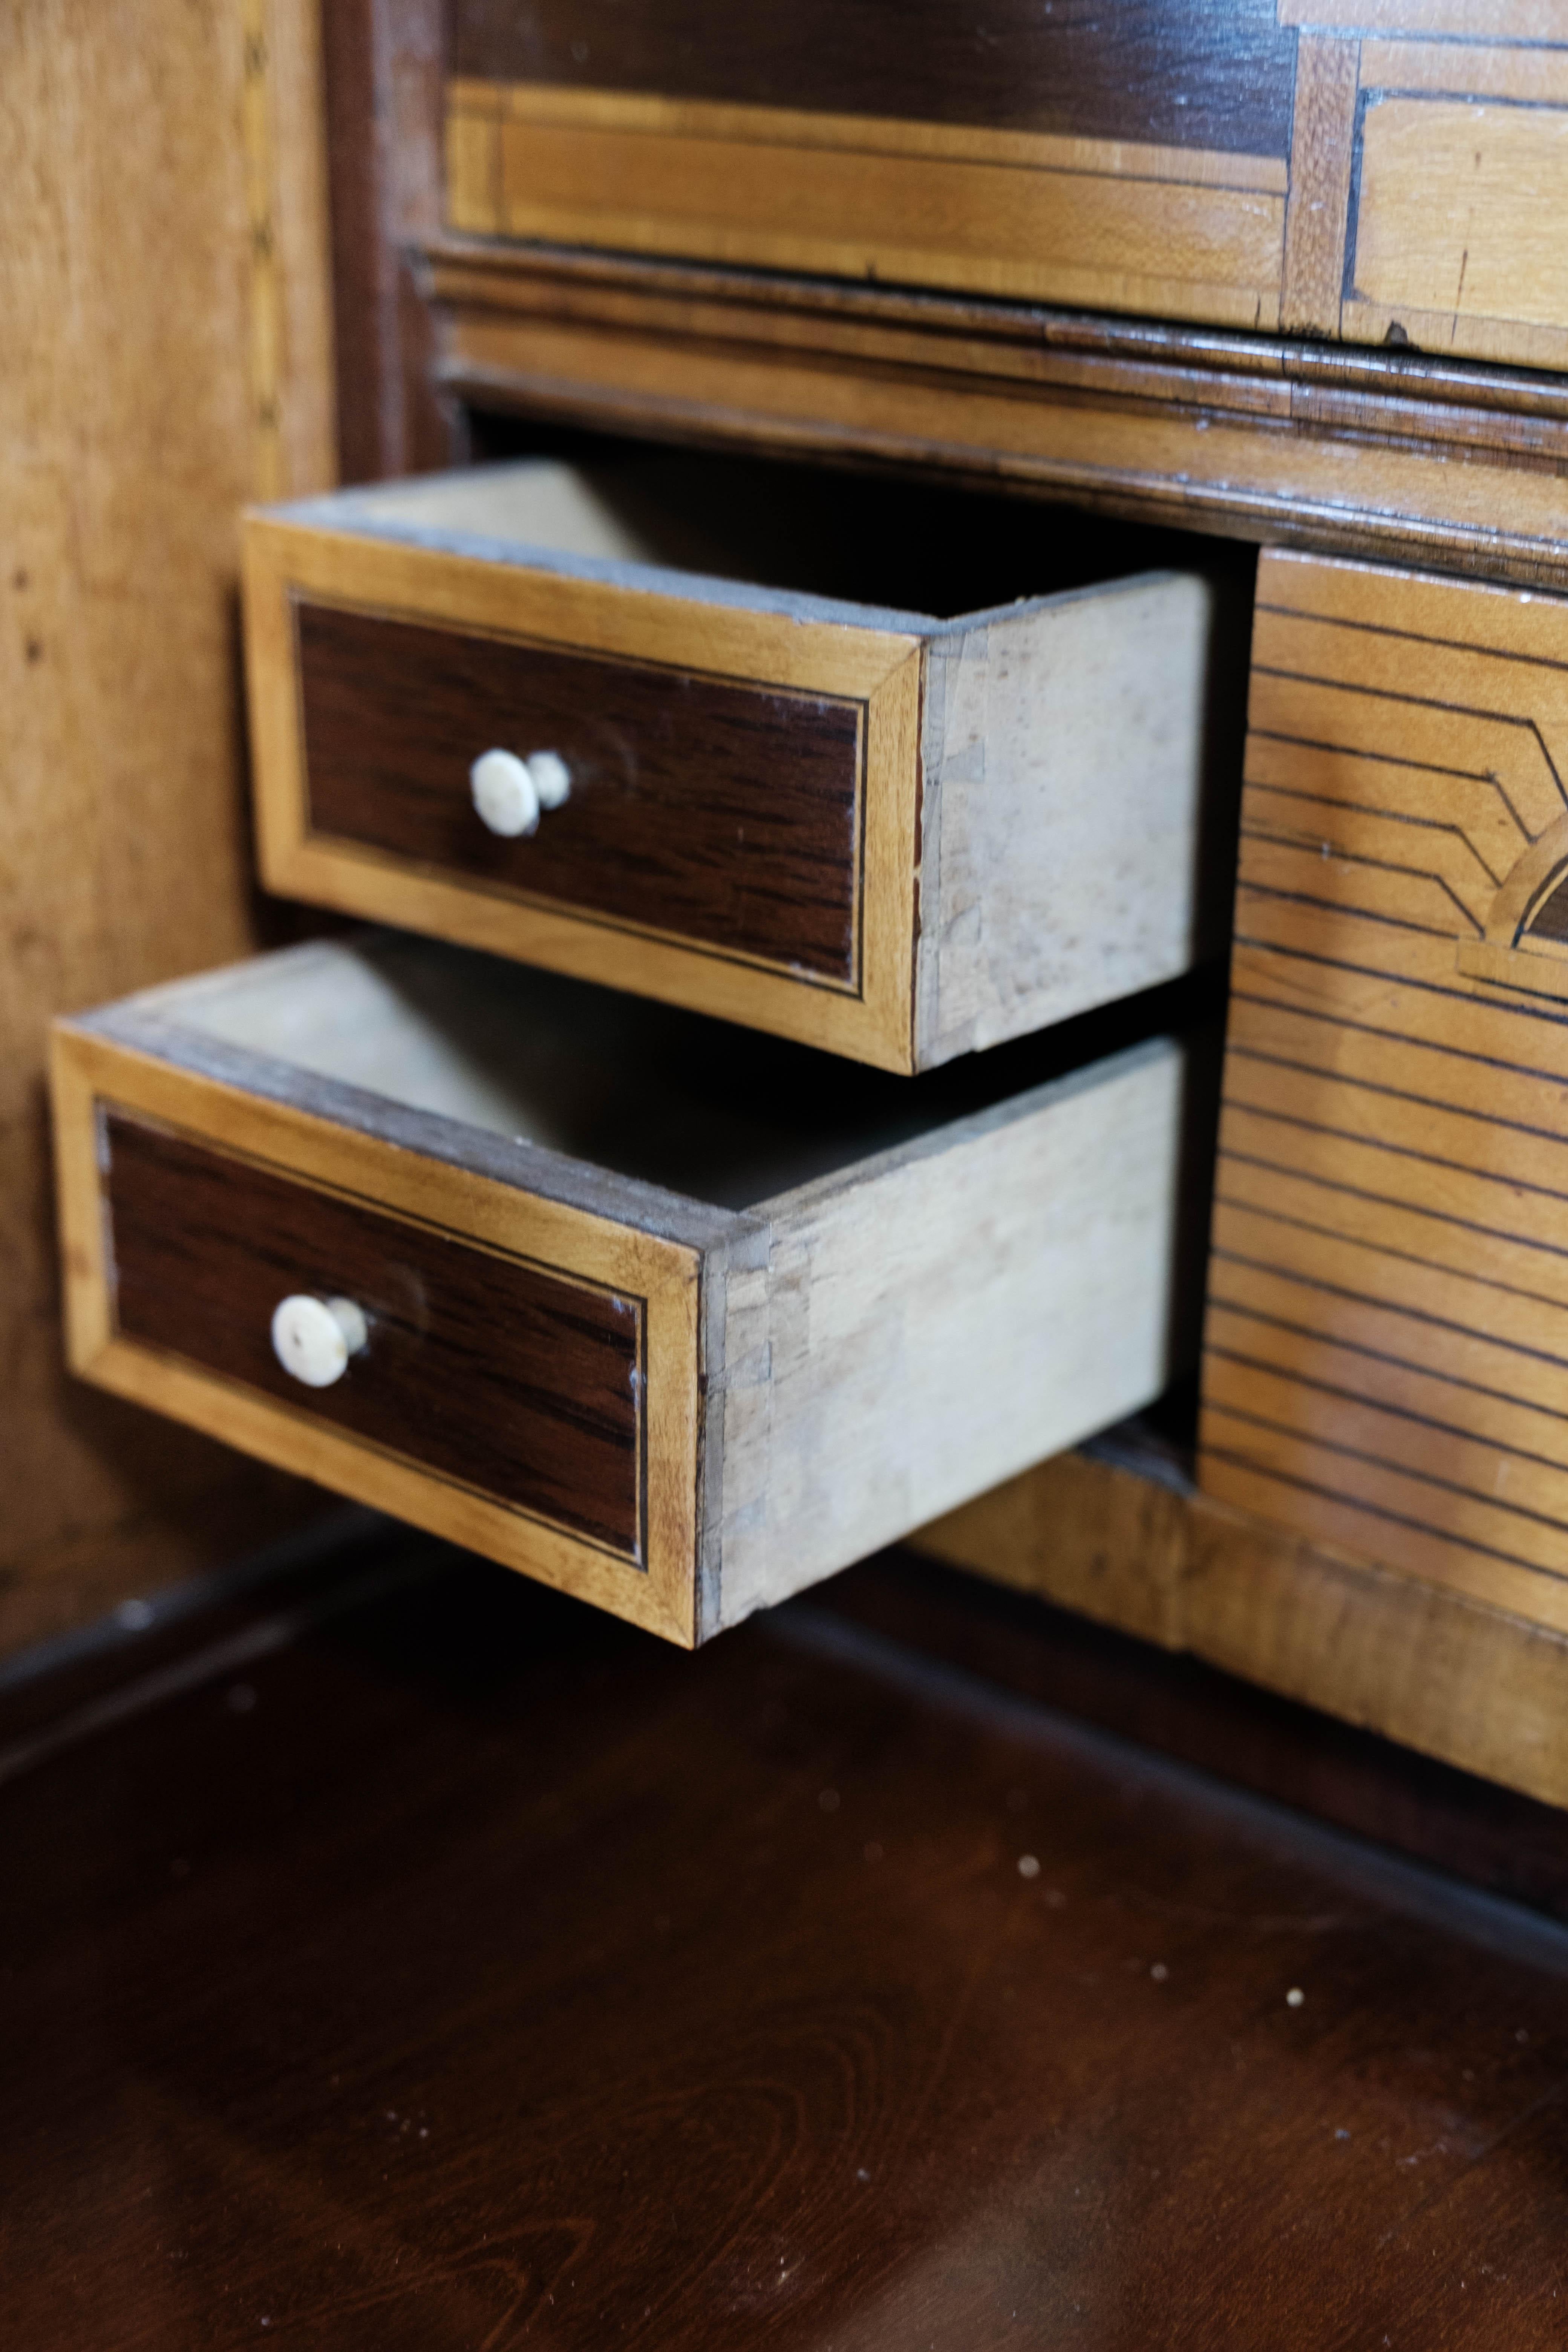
1387,1348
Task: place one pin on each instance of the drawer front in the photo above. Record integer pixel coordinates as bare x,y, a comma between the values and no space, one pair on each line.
529,1383
501,1375
726,814
740,831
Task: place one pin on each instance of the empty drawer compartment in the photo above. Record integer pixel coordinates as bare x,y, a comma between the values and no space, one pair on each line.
600,718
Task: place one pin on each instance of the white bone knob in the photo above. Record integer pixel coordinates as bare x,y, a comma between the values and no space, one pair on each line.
313,1338
551,778
504,793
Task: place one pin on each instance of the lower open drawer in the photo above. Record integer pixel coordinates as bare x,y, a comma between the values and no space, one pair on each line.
673,1317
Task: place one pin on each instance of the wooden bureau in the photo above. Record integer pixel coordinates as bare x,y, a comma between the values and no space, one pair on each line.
1272,273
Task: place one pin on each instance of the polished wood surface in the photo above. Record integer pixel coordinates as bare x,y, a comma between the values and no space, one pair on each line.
1214,75
1388,1324
491,1371
163,282
725,813
482,1975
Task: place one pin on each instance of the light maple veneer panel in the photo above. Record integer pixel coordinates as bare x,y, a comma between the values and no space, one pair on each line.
1386,1363
892,835
744,1320
1119,1533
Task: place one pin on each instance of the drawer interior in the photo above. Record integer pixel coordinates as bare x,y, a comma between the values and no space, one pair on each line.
912,552
658,1096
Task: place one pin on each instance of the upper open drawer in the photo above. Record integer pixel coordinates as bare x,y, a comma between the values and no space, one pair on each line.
678,1318
605,720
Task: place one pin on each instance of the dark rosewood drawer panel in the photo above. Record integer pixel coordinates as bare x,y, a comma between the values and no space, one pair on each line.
623,721
480,1367
726,814
674,1317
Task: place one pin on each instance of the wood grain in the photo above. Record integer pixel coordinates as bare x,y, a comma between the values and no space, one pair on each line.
726,815
900,1351
1453,226
1435,167
1387,1335
1093,222
1217,76
594,1980
382,69
493,1372
127,440
1322,150
1123,1539
1392,455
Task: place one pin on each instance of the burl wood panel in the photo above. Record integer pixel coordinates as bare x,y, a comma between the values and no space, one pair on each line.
1386,1361
483,1369
724,814
482,1976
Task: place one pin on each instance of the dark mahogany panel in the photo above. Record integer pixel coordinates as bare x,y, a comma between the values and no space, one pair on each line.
486,1370
475,1972
1181,73
724,813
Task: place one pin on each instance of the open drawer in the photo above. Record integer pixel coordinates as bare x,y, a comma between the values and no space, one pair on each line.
673,1317
601,719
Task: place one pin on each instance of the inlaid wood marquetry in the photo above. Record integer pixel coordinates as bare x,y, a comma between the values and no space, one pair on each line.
1386,1363
1350,170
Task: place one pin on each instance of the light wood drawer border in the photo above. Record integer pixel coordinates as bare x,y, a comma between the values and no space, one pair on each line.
87,1071
880,668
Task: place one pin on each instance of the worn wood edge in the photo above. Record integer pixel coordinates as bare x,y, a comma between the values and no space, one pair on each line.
995,688
1435,1670
876,667
94,1068
1417,388
1301,444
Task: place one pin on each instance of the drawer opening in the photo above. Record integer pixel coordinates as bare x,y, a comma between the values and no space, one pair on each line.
899,769
661,1096
908,550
